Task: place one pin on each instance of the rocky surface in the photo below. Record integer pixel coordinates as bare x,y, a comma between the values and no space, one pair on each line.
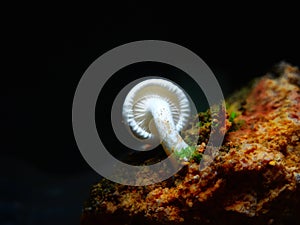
254,179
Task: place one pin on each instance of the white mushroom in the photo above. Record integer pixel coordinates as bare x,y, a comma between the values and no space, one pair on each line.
160,102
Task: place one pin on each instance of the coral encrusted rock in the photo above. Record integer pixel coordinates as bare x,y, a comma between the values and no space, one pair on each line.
254,179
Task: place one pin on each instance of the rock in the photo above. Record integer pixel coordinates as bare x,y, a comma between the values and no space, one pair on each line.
254,179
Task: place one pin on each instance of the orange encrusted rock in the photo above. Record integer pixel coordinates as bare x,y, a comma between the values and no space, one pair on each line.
254,179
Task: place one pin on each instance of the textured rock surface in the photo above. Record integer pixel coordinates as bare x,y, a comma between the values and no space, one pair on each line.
255,179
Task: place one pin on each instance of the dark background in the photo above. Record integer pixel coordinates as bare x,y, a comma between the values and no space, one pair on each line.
44,178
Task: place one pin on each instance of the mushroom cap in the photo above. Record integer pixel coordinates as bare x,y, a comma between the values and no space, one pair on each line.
136,108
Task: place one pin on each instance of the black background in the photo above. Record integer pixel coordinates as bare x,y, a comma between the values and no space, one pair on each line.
44,178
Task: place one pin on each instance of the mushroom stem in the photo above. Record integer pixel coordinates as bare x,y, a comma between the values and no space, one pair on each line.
165,126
